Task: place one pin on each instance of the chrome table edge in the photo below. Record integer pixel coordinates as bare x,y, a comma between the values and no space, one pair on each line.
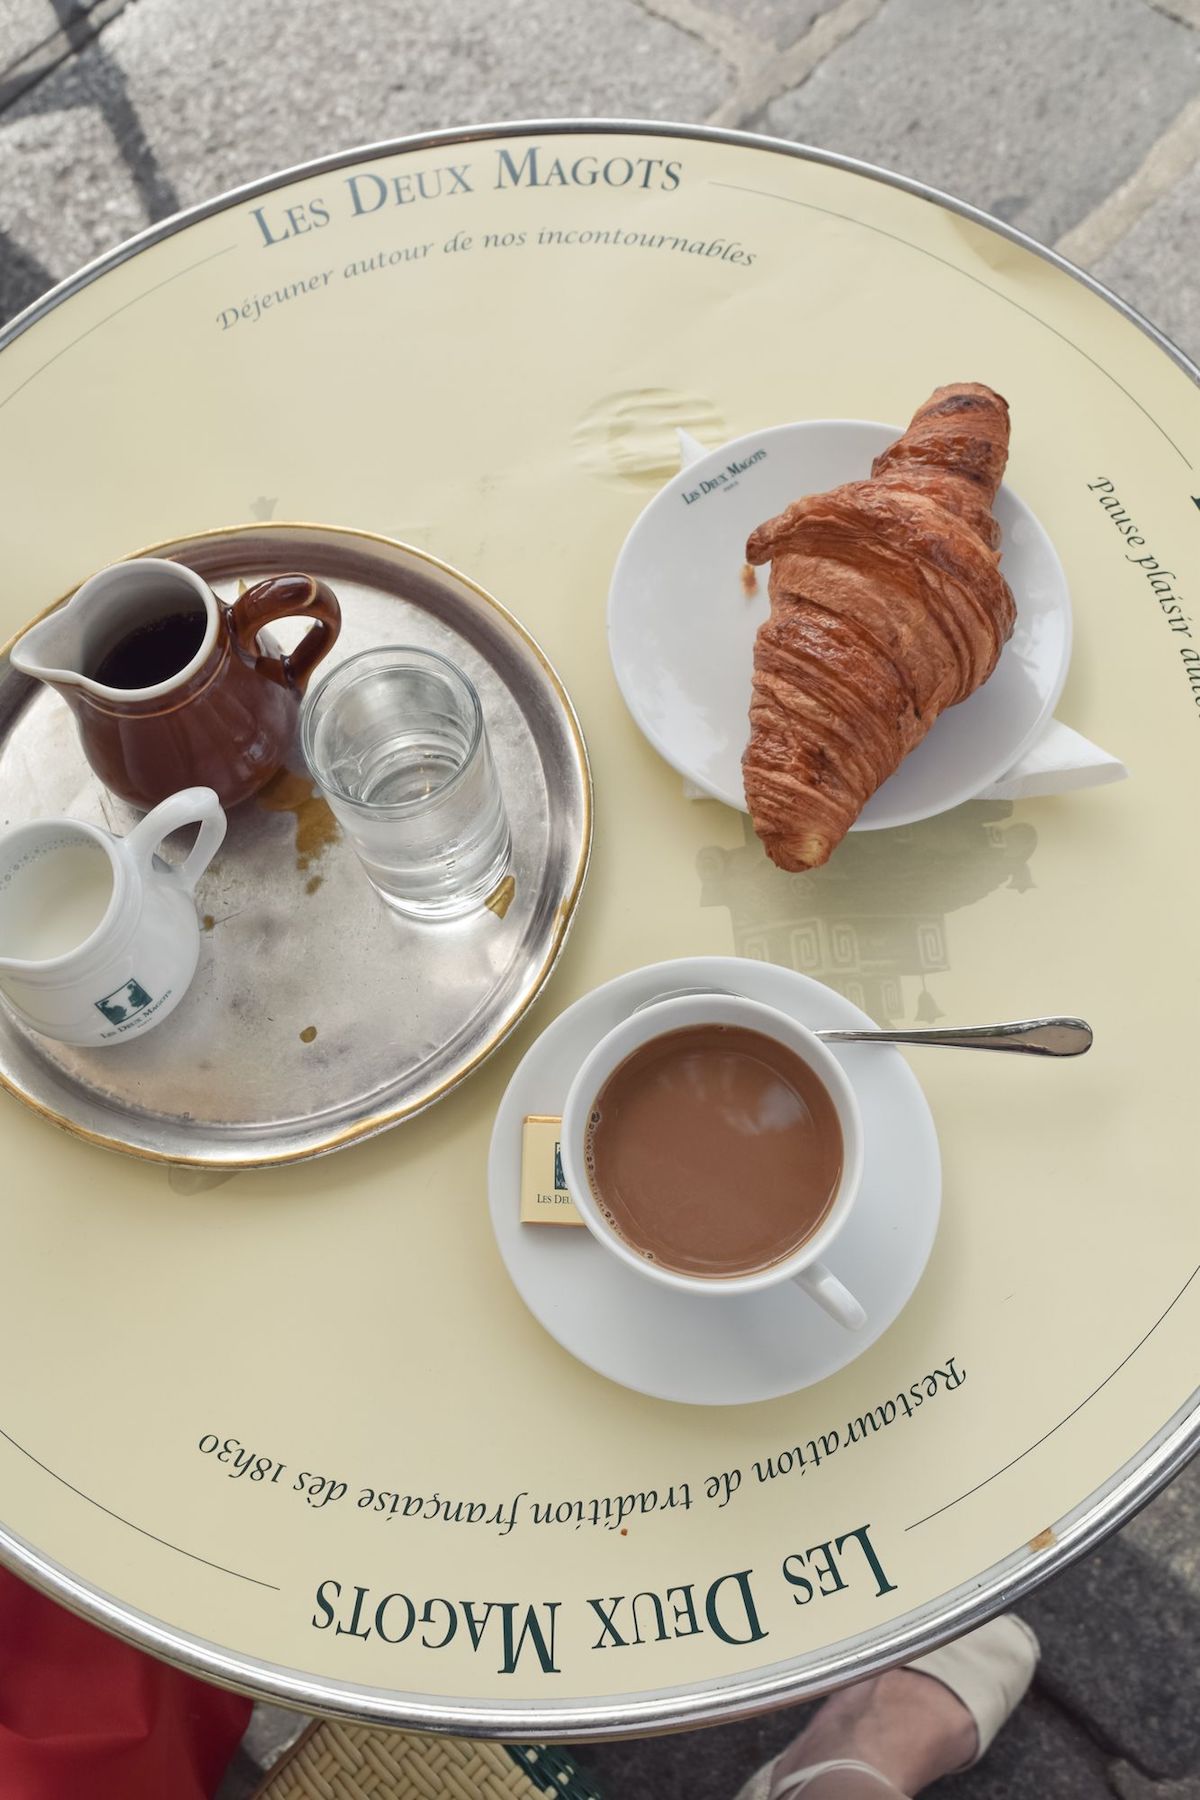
1102,1512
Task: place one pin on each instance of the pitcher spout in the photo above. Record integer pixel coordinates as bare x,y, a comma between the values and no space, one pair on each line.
54,649
68,646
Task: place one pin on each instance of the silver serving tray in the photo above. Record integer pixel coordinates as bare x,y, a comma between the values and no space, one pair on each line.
317,1016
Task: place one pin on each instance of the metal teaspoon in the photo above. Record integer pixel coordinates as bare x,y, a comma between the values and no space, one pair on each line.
1036,1037
1033,1037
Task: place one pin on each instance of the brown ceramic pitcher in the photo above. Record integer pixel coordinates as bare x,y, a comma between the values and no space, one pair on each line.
170,687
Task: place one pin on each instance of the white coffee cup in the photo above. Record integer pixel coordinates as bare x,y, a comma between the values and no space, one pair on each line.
804,1266
99,938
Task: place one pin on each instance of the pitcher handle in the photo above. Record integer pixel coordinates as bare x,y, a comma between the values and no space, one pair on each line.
191,806
283,597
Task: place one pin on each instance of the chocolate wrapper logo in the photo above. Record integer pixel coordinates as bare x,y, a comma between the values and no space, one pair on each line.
544,1196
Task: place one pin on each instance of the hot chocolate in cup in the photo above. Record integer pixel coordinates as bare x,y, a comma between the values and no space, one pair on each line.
715,1145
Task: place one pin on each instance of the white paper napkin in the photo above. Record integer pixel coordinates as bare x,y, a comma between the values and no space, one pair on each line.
1060,761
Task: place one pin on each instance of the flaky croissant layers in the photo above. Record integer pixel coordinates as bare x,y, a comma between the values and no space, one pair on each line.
887,606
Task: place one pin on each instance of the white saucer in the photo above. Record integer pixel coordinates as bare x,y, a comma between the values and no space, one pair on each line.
720,1352
681,627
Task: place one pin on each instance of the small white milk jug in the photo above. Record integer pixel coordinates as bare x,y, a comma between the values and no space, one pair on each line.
99,938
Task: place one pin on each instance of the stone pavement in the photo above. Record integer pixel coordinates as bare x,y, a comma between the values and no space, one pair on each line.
1077,120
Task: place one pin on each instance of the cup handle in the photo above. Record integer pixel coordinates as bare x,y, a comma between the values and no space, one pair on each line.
284,597
822,1285
191,806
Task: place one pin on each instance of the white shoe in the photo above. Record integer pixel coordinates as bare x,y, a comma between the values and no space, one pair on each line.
989,1670
800,1778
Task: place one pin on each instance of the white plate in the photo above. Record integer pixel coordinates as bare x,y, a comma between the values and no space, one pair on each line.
720,1352
681,627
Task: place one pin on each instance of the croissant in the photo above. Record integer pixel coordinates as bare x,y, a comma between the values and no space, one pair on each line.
887,606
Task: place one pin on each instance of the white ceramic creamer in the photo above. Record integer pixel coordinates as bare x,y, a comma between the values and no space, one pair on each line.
99,938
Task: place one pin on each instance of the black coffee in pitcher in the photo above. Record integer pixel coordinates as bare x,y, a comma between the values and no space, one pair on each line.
153,651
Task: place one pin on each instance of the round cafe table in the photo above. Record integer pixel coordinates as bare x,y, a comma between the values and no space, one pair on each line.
483,343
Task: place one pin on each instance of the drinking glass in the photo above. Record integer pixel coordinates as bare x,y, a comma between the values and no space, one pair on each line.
396,741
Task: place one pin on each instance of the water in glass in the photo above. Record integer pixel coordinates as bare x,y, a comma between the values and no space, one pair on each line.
397,742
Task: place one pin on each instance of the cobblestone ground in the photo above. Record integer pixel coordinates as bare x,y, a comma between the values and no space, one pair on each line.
1078,120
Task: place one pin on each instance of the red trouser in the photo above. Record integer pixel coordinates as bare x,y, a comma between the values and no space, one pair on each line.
84,1717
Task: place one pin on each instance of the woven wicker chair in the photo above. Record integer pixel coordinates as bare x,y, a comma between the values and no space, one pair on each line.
332,1761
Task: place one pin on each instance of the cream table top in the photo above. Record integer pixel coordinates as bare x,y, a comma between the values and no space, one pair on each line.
240,1413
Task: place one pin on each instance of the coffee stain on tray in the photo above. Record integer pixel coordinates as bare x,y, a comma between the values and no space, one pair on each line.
308,1034
316,827
313,883
502,898
1045,1540
207,922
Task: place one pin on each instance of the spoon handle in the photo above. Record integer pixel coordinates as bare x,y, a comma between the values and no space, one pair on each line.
1035,1037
